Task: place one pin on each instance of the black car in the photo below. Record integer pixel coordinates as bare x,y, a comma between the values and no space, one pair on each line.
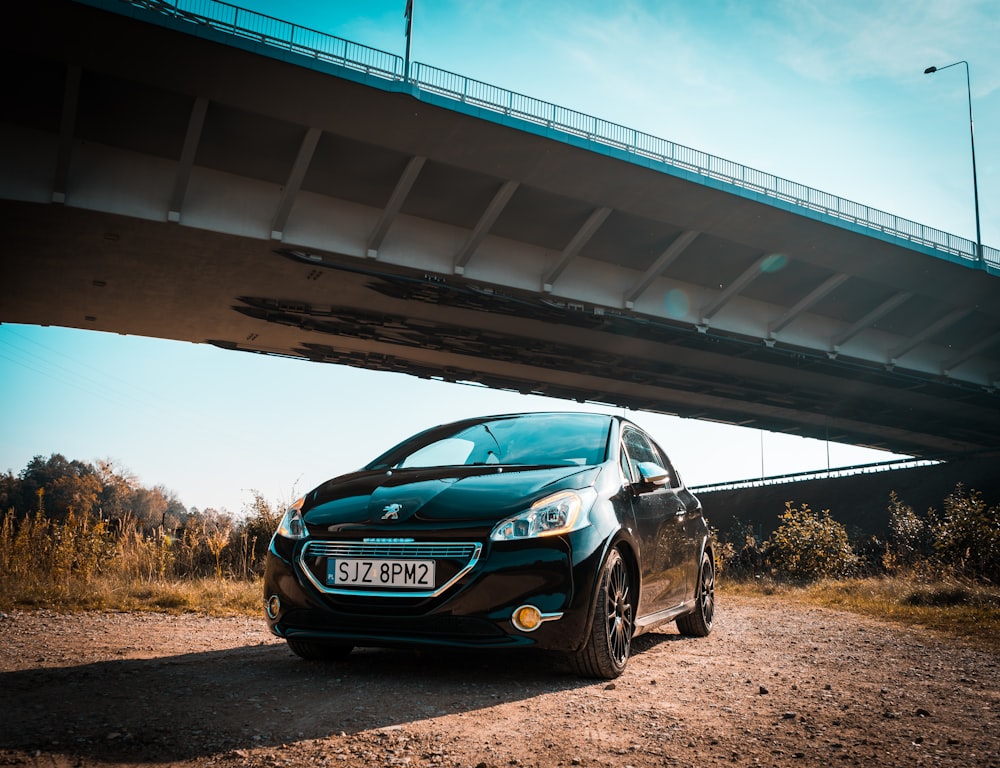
566,532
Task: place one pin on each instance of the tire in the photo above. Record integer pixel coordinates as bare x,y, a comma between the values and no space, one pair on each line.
609,643
317,650
698,623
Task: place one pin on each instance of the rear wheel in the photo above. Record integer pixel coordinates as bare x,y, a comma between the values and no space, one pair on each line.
317,650
698,623
610,641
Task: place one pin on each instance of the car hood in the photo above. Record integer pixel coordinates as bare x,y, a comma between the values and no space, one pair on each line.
440,495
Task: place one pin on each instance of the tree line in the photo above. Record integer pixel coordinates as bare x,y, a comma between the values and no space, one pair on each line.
58,486
85,520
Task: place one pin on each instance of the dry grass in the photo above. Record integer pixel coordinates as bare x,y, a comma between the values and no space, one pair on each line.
209,596
962,609
79,563
86,563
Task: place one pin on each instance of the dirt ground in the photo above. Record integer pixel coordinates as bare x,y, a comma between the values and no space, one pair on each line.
774,685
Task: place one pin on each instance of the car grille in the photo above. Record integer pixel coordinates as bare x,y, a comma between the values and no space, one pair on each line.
455,559
411,550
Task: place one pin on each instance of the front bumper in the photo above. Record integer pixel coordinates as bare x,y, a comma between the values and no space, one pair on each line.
554,574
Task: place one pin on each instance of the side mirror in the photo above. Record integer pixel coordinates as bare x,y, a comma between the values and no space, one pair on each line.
653,474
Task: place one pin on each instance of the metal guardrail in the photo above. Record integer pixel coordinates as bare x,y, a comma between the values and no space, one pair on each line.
272,31
816,474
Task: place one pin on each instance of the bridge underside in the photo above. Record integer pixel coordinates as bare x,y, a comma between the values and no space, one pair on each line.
162,184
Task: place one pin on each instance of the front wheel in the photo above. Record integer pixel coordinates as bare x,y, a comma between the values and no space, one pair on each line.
610,641
698,623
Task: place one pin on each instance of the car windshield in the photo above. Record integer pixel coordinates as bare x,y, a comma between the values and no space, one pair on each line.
534,439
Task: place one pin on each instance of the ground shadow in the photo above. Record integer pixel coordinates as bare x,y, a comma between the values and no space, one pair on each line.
183,707
186,706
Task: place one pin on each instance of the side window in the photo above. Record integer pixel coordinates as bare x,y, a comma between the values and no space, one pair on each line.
625,466
675,481
640,450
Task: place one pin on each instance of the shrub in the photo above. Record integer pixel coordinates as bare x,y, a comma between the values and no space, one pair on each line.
909,537
809,546
966,535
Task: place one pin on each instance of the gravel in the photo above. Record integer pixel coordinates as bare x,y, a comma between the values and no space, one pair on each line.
775,684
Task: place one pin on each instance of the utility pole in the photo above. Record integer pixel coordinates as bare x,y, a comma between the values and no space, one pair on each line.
408,13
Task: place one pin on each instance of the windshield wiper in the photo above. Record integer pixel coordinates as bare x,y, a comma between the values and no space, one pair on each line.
495,442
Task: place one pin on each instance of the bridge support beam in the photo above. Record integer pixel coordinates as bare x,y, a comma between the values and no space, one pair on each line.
573,247
294,183
396,200
196,122
733,289
485,223
864,322
668,257
67,128
829,285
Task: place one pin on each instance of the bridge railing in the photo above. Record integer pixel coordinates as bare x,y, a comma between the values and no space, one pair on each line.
272,31
484,95
817,474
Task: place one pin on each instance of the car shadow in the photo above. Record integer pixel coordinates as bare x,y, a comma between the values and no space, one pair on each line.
651,640
187,706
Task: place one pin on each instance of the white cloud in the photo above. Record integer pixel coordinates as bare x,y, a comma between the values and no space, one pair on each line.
838,42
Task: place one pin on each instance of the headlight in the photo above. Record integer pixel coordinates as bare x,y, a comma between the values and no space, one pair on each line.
292,526
559,513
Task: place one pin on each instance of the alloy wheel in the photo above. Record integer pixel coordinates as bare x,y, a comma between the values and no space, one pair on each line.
619,612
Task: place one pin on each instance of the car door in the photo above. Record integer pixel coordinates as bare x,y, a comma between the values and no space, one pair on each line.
661,523
693,529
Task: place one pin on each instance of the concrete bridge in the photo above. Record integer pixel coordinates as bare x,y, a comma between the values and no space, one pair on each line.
189,170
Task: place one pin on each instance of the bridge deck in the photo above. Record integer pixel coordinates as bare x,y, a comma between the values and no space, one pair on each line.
169,184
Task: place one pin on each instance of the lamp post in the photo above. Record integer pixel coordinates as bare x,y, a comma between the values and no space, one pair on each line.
972,138
408,15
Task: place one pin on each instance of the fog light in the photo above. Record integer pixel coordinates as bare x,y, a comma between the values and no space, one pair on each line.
527,618
273,606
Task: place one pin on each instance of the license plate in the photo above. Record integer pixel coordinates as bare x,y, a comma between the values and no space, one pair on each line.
403,574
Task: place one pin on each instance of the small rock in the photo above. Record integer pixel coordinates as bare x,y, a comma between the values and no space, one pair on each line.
610,687
763,691
921,712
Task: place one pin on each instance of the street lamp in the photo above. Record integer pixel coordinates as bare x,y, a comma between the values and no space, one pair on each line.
972,138
408,15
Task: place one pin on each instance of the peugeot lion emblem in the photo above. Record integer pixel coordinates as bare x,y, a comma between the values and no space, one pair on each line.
391,511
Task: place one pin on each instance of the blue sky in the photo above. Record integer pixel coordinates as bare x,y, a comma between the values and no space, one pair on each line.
831,95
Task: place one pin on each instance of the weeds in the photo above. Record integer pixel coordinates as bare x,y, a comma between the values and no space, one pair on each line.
960,608
937,570
90,563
